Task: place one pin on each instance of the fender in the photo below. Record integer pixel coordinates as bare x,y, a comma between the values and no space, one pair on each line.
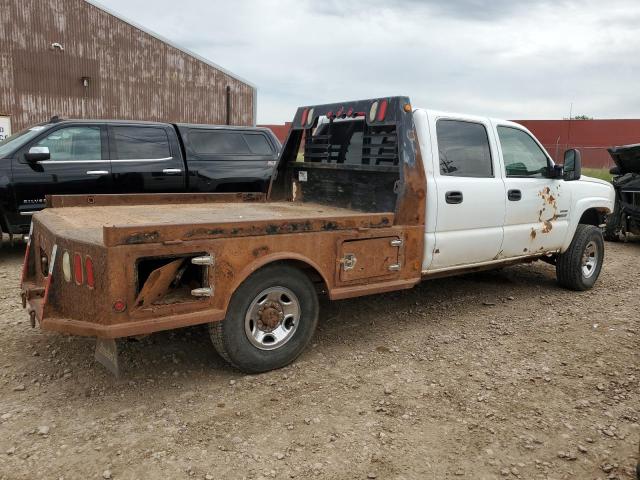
269,259
602,204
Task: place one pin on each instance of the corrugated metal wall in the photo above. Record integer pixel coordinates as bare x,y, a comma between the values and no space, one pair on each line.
592,137
131,74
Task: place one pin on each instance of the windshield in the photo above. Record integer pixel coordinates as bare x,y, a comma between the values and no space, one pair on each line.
12,143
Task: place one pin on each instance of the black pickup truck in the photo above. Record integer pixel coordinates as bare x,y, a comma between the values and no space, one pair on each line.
98,156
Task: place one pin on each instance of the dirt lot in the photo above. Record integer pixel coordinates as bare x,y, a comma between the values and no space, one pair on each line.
487,376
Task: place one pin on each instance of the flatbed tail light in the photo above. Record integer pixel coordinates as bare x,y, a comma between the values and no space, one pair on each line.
88,270
66,266
305,115
78,273
382,110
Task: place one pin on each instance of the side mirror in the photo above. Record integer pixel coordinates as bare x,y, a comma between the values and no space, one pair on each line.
572,165
556,171
615,170
37,154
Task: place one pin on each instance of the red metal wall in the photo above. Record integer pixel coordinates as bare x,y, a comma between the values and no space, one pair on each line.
592,137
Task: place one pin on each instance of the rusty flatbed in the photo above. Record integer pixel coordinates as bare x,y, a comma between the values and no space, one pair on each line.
115,266
136,224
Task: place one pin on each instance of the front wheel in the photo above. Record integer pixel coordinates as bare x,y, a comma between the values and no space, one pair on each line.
270,320
579,267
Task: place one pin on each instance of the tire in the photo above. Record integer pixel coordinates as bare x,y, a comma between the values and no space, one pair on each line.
270,320
579,267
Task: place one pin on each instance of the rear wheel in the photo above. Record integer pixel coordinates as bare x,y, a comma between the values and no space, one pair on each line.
579,267
270,320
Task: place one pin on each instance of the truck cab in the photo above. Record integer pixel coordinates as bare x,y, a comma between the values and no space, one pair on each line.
495,193
368,196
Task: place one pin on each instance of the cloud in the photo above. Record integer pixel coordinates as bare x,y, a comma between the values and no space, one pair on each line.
499,58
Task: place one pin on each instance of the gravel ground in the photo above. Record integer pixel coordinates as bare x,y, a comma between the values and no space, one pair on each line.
497,375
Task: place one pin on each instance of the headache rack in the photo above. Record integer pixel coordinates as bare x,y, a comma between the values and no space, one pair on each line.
379,145
357,154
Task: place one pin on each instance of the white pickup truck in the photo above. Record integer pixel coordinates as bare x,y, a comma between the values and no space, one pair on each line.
380,197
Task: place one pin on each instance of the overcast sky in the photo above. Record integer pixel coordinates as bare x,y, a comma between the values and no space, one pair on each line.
504,58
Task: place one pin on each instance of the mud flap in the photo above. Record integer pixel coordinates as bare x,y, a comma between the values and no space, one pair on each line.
107,355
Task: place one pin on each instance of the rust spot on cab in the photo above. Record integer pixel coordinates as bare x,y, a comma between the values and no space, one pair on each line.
533,233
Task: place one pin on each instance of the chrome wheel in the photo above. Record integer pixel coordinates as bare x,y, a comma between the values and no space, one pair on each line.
272,318
589,259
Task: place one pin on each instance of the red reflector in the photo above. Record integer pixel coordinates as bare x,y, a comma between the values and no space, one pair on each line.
382,110
119,306
350,112
303,121
77,269
88,268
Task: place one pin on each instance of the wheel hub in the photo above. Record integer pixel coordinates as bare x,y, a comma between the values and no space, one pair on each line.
272,318
270,315
589,259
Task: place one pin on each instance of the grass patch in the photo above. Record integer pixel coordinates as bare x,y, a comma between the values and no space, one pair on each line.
601,173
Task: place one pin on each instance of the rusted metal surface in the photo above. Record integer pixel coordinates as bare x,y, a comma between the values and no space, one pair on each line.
61,201
242,234
158,283
138,224
130,74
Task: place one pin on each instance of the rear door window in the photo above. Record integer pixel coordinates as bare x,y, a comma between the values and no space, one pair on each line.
258,143
218,142
464,149
139,143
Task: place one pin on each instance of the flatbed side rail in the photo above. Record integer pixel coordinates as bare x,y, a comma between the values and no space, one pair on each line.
114,200
177,233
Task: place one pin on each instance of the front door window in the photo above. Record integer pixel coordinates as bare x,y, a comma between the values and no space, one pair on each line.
523,157
74,143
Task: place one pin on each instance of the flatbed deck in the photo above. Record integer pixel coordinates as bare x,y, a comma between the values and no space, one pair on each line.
133,224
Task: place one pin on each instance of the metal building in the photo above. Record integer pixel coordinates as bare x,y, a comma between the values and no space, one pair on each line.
76,59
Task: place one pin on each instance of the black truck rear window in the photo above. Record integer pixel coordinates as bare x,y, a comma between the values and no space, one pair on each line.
221,142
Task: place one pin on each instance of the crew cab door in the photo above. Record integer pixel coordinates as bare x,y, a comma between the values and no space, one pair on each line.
146,159
78,164
537,212
470,195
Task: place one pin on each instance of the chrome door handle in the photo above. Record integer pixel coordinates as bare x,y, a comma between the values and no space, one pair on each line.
97,172
172,171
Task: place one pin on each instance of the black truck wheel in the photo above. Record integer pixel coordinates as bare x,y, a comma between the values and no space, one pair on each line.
579,267
270,320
